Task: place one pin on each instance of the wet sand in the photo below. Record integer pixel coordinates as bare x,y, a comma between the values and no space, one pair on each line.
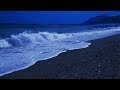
101,60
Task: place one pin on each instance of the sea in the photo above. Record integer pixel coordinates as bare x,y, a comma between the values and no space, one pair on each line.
23,45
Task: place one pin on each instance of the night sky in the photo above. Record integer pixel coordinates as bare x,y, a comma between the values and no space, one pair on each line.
50,17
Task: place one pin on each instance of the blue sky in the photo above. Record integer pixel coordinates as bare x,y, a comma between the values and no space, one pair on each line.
50,17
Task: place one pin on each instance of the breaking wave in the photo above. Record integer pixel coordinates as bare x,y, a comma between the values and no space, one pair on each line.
22,50
31,38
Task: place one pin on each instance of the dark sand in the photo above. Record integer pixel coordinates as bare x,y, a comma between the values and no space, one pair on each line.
99,61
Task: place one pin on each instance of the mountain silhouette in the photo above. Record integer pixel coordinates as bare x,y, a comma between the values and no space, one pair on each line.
103,19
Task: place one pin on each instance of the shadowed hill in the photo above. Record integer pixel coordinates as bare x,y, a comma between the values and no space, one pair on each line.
103,19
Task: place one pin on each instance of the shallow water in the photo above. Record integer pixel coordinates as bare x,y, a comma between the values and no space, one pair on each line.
21,50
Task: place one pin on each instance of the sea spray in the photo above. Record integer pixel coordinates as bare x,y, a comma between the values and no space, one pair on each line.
24,49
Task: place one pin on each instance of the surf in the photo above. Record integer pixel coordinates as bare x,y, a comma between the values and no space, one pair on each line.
26,38
24,49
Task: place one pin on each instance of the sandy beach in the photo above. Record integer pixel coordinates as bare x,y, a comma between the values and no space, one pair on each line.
101,60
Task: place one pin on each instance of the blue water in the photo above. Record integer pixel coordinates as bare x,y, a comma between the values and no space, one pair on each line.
22,47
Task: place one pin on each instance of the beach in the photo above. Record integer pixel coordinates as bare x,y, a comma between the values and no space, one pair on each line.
101,60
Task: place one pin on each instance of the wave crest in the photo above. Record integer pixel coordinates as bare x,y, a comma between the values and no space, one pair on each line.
30,38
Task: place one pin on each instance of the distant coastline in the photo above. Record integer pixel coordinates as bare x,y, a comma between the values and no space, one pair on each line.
96,20
103,19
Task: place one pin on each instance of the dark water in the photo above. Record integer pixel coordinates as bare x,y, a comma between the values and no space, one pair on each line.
7,30
23,45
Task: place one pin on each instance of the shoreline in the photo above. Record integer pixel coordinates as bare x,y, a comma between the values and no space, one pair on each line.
86,63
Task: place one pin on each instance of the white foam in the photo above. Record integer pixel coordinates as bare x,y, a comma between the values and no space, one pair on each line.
31,38
4,43
28,48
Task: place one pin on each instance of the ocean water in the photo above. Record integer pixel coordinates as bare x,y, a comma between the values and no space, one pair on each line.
22,47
